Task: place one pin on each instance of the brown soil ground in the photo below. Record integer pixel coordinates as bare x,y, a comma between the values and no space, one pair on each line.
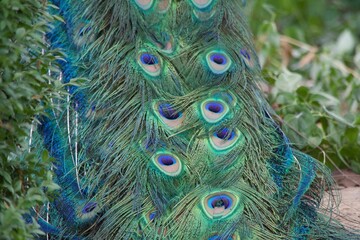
349,208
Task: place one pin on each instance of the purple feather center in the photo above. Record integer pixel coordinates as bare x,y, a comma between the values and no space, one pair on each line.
149,59
89,207
214,107
166,160
218,58
245,54
225,133
168,112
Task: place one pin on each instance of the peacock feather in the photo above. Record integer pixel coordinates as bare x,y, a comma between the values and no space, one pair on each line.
170,136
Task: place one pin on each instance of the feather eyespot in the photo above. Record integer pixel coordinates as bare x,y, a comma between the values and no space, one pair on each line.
166,43
247,58
150,216
89,207
84,30
203,15
225,138
219,237
88,211
219,204
168,112
163,6
167,163
214,110
218,62
144,4
83,34
227,97
201,4
168,115
150,63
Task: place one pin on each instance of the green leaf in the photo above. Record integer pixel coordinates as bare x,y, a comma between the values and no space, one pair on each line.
20,33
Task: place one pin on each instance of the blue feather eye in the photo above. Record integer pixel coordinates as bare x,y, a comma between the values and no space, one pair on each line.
218,237
220,204
218,62
167,163
168,112
150,63
247,58
201,4
215,107
84,30
89,207
224,138
170,116
225,134
150,216
144,4
214,110
88,211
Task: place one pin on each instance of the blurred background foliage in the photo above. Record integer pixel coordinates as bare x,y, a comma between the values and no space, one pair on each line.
26,89
310,54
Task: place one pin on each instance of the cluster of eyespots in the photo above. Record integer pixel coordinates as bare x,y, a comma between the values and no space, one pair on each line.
219,204
168,163
171,117
214,110
218,61
150,63
247,58
224,138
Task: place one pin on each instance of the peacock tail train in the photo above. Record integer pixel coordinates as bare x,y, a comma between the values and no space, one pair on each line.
170,136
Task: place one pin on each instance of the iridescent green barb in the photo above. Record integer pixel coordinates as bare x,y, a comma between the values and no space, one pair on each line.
170,137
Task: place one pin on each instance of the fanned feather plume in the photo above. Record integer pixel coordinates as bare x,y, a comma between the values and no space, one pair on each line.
170,136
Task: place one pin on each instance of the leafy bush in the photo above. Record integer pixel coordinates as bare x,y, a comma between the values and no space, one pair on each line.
310,53
25,91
